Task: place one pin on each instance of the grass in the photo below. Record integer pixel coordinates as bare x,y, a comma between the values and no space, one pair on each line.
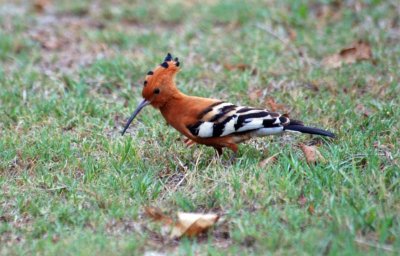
70,184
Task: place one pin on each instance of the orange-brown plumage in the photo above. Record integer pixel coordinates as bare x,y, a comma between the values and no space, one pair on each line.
210,121
181,111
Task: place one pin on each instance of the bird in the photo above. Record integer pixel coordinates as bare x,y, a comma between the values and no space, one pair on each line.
211,122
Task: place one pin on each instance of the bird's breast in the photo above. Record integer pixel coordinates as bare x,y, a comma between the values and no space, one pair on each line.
176,119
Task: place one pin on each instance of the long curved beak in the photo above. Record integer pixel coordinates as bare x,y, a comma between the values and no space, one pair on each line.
143,104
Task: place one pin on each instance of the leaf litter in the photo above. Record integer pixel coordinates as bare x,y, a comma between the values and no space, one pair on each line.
357,51
186,224
312,154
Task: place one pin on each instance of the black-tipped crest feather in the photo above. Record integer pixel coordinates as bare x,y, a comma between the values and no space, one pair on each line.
164,65
168,57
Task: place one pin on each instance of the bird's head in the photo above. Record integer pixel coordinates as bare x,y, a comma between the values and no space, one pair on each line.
158,86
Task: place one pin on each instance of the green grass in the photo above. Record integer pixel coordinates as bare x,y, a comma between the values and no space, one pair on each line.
71,185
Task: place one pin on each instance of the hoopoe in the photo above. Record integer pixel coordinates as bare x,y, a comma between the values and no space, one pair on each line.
207,121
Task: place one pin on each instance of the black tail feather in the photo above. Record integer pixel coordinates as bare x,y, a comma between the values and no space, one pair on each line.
309,130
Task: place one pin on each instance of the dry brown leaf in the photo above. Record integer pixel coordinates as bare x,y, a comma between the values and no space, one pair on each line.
157,215
312,154
356,52
40,5
273,106
187,224
270,160
193,224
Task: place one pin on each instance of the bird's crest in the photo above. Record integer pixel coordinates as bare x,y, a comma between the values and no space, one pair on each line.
169,67
159,84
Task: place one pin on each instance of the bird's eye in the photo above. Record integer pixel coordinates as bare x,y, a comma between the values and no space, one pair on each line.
156,91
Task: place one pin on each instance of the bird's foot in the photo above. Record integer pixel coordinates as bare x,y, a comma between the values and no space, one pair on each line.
232,159
188,142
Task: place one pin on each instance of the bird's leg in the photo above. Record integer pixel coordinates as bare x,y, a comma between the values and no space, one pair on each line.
219,151
217,157
232,159
234,148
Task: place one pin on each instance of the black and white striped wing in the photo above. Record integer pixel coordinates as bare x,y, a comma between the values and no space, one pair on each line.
222,119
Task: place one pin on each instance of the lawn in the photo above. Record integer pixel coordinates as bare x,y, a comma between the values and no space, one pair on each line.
71,73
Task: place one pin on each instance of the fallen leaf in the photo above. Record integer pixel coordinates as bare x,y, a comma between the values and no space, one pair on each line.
356,52
193,224
187,224
157,215
273,106
40,5
312,154
270,160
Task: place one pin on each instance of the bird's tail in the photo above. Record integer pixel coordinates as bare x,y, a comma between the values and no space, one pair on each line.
298,126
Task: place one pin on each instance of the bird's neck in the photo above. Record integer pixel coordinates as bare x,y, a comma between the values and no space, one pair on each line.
175,111
173,102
